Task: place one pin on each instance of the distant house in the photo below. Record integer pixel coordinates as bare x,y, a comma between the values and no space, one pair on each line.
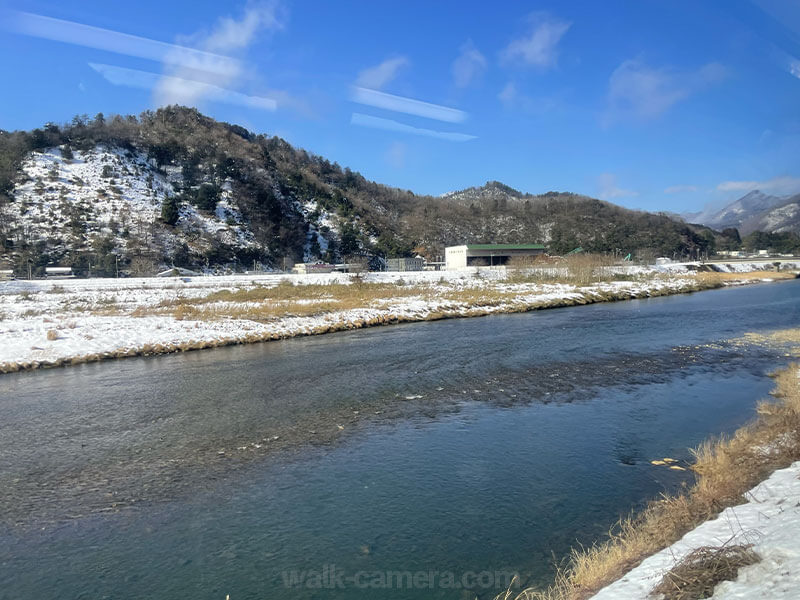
6,274
469,255
308,268
405,264
59,272
178,272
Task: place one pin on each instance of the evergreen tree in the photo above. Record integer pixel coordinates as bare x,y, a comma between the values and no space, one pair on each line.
169,210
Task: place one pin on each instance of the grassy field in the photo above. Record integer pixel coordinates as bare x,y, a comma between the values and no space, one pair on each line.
266,304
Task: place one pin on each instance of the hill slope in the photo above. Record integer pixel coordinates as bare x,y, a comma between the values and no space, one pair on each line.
176,187
782,218
752,212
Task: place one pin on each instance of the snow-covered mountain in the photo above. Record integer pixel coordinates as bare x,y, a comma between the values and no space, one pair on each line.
784,217
114,193
74,199
742,214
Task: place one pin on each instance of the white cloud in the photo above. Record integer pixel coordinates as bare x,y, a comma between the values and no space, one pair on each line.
680,189
794,67
646,92
193,71
149,81
469,65
408,106
180,85
777,185
390,125
608,188
378,76
539,48
231,34
113,41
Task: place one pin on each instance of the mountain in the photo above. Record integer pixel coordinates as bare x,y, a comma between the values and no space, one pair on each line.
174,187
782,218
743,214
564,221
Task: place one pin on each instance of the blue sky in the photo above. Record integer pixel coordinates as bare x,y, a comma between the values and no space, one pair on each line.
659,105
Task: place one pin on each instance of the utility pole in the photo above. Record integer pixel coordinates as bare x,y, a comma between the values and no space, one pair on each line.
116,264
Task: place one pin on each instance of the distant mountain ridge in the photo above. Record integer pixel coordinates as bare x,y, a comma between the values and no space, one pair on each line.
755,211
174,187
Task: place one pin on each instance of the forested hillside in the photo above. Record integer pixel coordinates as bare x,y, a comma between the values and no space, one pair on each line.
174,187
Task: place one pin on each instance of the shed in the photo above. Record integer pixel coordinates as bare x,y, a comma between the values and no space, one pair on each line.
405,264
492,255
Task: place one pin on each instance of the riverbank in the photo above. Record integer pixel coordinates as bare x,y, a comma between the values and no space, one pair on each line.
734,534
55,323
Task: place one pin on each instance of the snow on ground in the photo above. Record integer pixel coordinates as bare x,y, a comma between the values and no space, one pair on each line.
110,191
731,267
51,321
321,228
770,520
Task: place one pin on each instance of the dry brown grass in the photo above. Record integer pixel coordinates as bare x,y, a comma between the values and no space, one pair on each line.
285,300
748,276
699,572
264,304
725,469
578,269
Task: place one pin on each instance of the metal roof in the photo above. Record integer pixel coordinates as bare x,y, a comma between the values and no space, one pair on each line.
505,247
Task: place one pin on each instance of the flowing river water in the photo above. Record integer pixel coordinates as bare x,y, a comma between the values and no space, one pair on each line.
428,460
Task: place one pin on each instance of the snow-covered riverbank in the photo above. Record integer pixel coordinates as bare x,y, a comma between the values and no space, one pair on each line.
50,323
769,520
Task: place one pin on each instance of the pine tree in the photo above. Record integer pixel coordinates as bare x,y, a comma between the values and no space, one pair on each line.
169,210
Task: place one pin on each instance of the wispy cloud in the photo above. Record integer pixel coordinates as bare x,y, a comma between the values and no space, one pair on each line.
539,47
150,81
608,188
228,35
511,97
390,125
794,67
644,92
378,76
195,69
469,66
777,185
680,189
408,106
114,41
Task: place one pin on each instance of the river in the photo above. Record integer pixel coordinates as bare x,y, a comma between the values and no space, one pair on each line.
410,461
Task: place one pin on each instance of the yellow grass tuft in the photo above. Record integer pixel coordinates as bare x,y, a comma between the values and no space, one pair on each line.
697,574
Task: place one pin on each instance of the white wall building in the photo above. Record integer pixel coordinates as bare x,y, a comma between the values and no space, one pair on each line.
492,255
